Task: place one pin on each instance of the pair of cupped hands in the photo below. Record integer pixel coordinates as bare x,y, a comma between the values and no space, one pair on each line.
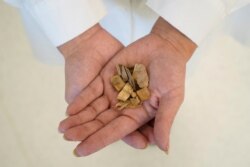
90,62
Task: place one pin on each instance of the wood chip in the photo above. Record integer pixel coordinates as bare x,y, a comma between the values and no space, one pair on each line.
133,94
140,75
132,85
125,92
118,69
130,79
135,101
117,82
143,94
124,74
121,105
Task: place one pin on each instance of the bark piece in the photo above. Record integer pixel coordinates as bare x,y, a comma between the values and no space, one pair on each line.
135,101
121,105
124,74
125,92
143,94
118,68
130,78
132,85
117,82
140,75
133,94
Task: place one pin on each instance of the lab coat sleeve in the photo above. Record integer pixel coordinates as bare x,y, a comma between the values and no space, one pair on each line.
62,20
195,18
15,3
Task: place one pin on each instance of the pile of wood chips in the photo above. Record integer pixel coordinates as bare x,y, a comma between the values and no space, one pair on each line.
132,85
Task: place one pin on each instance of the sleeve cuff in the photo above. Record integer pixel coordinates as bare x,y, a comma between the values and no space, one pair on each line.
63,20
193,18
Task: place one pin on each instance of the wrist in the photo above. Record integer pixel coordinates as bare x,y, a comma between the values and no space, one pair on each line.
69,48
171,35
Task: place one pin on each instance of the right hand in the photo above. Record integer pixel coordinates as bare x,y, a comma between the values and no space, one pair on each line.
85,56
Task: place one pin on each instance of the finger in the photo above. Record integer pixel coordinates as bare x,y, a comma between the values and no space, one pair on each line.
141,138
168,107
81,132
90,93
148,132
86,115
129,121
136,140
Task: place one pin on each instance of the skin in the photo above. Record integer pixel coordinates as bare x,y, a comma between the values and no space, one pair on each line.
95,122
85,56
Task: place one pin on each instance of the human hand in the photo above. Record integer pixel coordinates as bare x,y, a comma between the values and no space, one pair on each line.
85,56
164,52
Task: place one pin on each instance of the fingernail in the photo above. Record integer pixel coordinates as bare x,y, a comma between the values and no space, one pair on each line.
146,146
166,150
60,129
76,153
65,138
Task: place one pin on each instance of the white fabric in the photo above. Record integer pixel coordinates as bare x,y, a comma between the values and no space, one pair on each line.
43,50
195,18
62,20
127,20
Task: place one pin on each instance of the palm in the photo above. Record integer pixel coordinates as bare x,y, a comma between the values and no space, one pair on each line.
80,70
97,118
87,60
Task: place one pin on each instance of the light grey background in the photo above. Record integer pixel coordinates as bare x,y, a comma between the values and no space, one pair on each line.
212,127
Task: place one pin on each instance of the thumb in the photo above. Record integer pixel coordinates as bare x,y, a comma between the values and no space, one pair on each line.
168,107
71,92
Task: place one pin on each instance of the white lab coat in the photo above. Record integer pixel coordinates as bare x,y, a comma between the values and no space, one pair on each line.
51,23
